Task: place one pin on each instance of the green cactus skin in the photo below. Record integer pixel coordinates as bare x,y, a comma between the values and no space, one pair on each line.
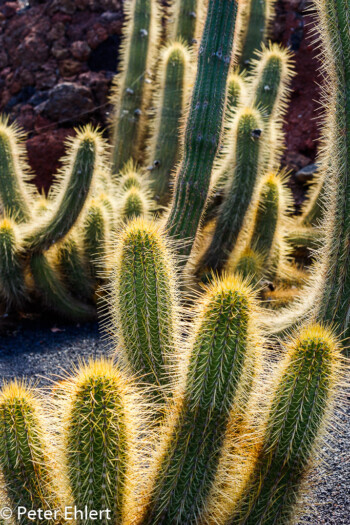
173,72
12,280
72,269
219,357
204,122
24,453
129,96
144,301
53,291
297,415
313,211
256,17
14,195
239,190
98,434
71,193
94,239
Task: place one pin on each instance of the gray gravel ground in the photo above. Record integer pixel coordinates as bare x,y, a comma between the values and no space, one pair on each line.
38,353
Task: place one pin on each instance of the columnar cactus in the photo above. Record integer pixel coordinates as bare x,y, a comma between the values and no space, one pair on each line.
244,164
254,20
95,237
12,279
297,414
221,349
131,89
169,103
144,301
69,260
14,192
25,458
184,20
70,193
99,440
204,122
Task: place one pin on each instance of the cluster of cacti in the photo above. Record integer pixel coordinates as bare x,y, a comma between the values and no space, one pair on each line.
224,446
183,427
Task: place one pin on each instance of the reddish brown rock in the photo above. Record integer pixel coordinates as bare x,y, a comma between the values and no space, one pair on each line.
44,154
96,35
80,50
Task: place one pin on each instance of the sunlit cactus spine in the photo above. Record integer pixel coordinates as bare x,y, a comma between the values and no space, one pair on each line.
313,209
203,125
143,303
254,24
131,91
99,434
134,203
297,416
95,238
169,102
70,193
220,353
15,193
243,169
25,458
12,274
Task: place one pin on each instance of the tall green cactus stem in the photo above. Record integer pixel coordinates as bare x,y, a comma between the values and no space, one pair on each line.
244,168
204,123
270,79
296,419
254,21
12,280
14,192
99,440
185,20
54,293
144,301
95,238
70,193
219,357
271,76
25,460
130,89
173,77
71,266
